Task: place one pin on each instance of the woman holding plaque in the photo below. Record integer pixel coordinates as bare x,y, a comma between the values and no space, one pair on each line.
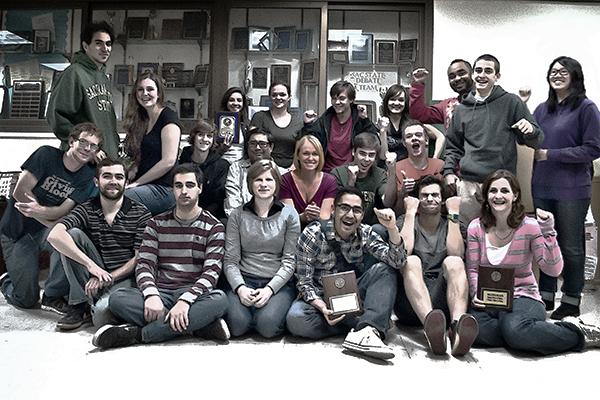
562,176
280,123
394,109
505,239
152,143
259,256
203,152
234,100
307,188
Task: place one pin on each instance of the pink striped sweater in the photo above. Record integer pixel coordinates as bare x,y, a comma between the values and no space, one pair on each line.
530,240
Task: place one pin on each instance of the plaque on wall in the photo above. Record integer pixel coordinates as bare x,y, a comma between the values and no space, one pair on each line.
309,71
185,78
240,39
27,100
147,67
41,41
123,75
303,40
408,50
495,287
194,24
385,52
259,77
281,73
201,76
172,29
187,108
169,73
136,27
340,292
284,37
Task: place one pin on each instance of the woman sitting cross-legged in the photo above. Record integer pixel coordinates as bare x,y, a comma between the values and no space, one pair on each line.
504,237
259,256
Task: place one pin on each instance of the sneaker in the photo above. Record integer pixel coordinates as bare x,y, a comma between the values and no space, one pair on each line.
56,305
3,278
435,331
111,336
591,333
367,342
217,330
462,335
549,304
565,310
76,316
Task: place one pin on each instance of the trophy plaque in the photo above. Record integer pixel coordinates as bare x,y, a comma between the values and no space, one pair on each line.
495,287
228,123
341,293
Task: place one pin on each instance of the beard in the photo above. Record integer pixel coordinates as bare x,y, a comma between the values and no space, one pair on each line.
104,192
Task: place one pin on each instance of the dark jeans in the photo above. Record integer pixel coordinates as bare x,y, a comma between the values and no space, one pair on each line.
377,289
525,328
569,221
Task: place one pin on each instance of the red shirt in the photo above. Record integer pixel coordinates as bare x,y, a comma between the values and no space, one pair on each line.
339,147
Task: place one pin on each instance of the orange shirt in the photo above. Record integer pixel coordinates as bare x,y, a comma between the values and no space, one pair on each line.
434,167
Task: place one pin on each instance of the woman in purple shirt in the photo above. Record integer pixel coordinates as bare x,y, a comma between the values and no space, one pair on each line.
562,175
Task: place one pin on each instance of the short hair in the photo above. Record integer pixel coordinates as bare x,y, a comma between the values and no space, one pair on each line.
88,127
202,126
348,190
99,26
428,180
188,168
257,169
576,88
287,87
255,131
317,145
394,91
489,57
109,162
341,86
460,60
366,140
414,122
517,213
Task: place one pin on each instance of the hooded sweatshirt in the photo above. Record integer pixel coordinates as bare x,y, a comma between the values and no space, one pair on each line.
82,94
480,139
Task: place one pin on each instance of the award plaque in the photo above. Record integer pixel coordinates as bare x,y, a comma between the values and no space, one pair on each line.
341,293
495,287
228,123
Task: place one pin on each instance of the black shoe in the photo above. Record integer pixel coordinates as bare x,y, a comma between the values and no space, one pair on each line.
463,334
76,316
217,330
3,278
549,304
111,336
55,304
565,310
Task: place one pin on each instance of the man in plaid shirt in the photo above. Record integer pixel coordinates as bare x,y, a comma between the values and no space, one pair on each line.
341,244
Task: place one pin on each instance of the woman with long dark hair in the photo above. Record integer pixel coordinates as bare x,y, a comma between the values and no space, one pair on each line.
234,100
152,143
562,175
503,237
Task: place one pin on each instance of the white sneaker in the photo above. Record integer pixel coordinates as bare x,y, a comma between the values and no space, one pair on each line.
367,342
591,333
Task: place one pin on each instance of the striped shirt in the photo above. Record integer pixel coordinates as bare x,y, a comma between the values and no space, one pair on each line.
530,240
315,257
178,254
116,243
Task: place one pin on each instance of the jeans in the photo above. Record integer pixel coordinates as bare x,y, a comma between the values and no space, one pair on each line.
78,276
128,304
156,198
569,220
377,289
269,320
22,288
525,328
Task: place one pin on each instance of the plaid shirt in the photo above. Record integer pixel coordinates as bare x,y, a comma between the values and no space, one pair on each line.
315,257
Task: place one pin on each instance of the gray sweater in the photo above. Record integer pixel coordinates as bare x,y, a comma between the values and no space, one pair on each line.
261,247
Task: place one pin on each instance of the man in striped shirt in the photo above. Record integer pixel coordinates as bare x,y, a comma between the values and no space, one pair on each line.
177,269
98,243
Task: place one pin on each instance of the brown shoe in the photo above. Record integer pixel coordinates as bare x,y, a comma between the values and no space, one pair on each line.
463,334
435,331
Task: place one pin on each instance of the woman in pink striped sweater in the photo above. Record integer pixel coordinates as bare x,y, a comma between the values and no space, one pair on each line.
504,237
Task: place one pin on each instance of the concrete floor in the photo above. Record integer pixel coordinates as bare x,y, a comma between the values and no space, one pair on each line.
38,362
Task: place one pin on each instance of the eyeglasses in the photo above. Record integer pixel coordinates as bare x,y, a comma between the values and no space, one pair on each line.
562,72
85,144
345,209
260,143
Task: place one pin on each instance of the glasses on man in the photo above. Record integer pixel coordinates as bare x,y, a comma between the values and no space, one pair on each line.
85,144
346,208
260,143
562,72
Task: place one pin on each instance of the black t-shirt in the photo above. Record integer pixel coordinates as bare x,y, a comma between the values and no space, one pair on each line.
55,184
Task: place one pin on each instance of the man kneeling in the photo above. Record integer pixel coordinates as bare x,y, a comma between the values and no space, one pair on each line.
434,283
177,268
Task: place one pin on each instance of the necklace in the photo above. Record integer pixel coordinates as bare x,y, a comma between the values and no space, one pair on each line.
503,238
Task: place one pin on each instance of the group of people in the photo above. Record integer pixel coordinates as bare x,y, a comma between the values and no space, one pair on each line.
227,237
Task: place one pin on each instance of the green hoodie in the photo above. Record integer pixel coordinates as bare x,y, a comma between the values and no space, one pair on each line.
82,94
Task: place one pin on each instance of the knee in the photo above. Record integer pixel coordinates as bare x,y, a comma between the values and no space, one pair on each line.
453,265
270,328
297,320
116,298
413,268
219,298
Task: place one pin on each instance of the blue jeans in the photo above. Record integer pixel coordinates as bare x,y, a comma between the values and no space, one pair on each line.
78,276
156,198
22,288
269,320
377,289
128,304
569,220
525,328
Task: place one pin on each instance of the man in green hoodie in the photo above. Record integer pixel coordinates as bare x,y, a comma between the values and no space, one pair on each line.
483,135
82,92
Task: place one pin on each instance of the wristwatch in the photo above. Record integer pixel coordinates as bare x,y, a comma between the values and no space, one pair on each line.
452,217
